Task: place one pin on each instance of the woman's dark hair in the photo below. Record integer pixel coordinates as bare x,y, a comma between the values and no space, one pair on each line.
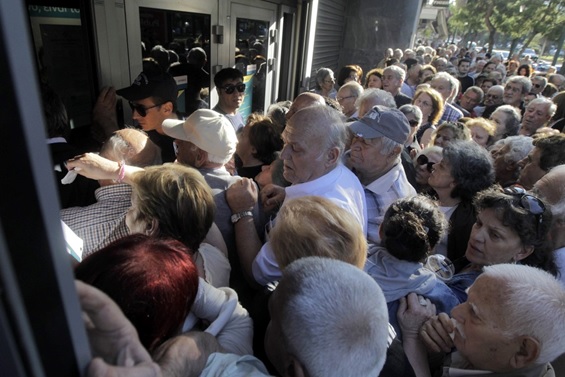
528,69
471,168
412,227
154,281
265,136
531,228
344,73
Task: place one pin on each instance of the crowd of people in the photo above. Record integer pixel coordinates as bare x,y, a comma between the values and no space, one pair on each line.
406,222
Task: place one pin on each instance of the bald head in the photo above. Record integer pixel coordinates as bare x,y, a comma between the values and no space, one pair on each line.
551,186
133,147
304,100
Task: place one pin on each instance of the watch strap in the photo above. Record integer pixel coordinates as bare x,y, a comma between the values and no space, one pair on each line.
238,216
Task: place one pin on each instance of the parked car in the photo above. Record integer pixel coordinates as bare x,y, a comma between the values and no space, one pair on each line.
532,53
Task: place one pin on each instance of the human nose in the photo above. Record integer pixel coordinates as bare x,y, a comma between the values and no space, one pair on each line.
522,163
285,154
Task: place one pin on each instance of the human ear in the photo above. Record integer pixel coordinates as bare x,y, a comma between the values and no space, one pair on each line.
524,253
152,227
527,354
332,156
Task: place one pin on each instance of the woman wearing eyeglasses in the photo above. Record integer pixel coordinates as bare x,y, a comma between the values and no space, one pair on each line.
423,165
511,227
464,170
430,103
325,83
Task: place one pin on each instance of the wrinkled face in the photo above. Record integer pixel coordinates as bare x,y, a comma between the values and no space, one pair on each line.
536,116
488,68
374,81
469,100
304,157
500,119
328,83
424,102
499,162
442,86
444,137
537,85
494,97
422,171
531,171
230,101
391,82
480,65
513,94
441,177
186,152
491,242
366,156
154,115
479,336
347,101
479,136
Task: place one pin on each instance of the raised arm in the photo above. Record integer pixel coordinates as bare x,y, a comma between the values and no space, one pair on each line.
94,166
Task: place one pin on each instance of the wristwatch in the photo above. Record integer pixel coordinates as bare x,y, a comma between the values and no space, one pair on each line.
240,215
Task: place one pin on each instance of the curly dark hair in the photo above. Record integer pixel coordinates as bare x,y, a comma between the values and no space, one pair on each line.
412,227
532,229
471,168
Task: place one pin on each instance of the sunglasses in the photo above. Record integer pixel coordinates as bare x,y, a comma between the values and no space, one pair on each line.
423,160
530,203
413,123
141,110
230,88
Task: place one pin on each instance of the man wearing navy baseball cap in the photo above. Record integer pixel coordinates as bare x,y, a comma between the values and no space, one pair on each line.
378,139
152,98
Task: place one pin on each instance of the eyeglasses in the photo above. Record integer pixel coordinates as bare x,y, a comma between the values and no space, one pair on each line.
342,98
530,203
141,110
230,88
423,160
492,96
537,85
330,81
413,123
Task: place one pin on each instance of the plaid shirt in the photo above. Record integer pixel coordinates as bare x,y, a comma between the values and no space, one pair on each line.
450,114
102,222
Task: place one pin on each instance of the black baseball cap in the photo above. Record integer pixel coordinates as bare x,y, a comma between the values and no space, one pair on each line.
148,85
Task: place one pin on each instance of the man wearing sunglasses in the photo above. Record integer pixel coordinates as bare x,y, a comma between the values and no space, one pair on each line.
231,91
152,99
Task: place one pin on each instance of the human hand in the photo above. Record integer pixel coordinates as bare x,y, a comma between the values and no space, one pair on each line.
413,311
242,195
272,196
435,333
112,337
94,166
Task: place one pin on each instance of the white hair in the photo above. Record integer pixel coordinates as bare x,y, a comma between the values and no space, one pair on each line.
354,88
376,97
551,107
520,147
333,310
534,306
400,73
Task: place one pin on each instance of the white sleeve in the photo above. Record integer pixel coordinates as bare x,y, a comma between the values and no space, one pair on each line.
229,321
265,267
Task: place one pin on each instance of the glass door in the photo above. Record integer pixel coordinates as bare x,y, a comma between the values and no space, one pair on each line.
252,45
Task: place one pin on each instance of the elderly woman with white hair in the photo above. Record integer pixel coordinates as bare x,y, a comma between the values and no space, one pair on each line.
325,83
506,154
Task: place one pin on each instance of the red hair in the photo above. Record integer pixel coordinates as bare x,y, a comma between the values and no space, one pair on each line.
154,281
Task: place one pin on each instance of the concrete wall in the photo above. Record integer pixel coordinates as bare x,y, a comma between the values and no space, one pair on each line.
374,25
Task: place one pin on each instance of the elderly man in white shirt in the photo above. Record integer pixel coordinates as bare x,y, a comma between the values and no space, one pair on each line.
314,141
